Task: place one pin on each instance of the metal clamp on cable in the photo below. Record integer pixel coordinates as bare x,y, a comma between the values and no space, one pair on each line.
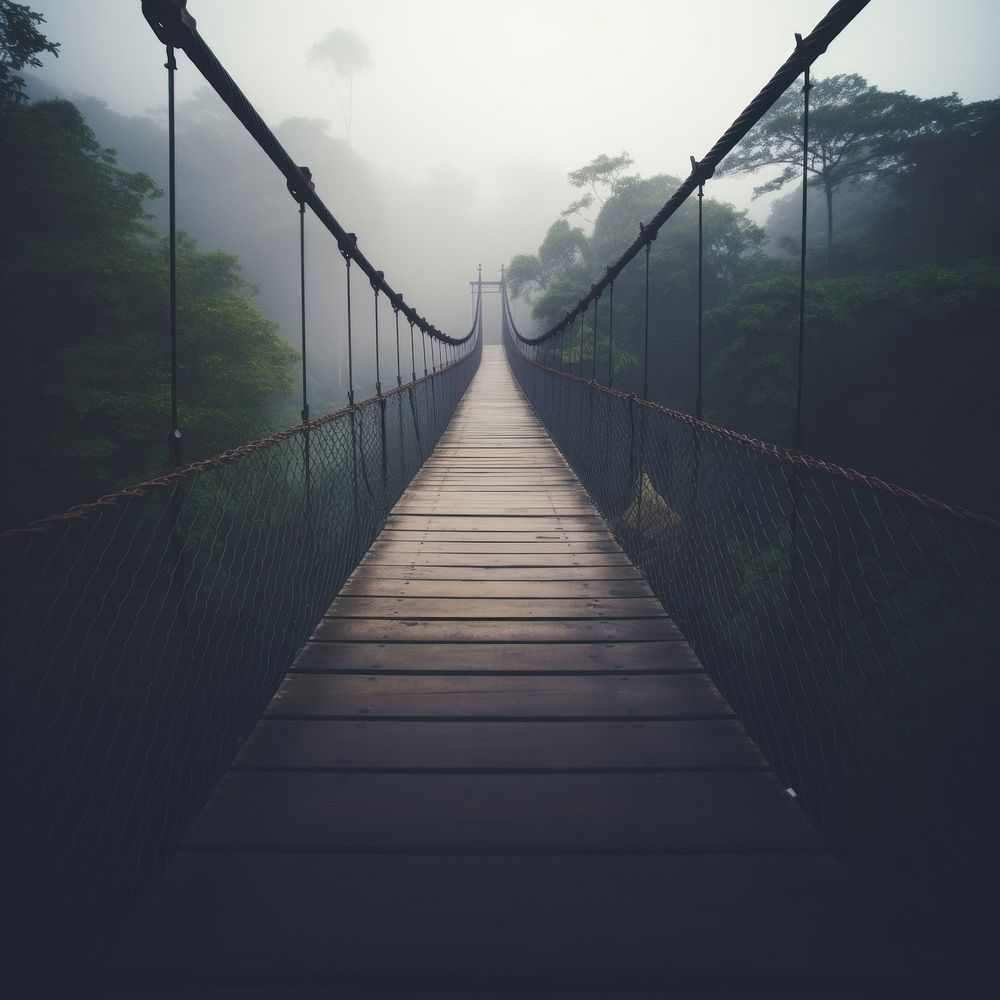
303,187
348,245
701,172
170,21
647,233
377,281
174,446
809,50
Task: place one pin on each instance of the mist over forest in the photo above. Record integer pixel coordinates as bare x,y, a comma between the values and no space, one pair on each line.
901,349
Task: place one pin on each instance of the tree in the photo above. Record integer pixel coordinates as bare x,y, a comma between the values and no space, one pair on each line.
856,131
562,251
343,55
602,172
84,388
20,43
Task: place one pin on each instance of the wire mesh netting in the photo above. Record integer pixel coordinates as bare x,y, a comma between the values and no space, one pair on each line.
852,625
146,634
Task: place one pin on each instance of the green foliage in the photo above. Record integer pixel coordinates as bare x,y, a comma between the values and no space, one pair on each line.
83,277
856,132
904,360
603,172
20,43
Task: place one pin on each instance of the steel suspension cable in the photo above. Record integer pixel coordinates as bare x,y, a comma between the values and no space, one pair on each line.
174,26
806,52
174,437
799,360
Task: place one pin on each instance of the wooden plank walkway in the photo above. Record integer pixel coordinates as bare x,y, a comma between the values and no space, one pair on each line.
496,766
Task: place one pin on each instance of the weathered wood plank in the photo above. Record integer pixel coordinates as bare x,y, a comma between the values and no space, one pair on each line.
682,811
499,746
492,610
475,545
495,682
384,571
485,630
511,657
479,559
368,585
623,696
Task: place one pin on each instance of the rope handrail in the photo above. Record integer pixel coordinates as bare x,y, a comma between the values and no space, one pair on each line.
786,456
45,525
176,28
807,50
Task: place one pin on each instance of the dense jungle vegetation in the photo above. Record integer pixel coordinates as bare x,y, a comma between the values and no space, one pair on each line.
903,300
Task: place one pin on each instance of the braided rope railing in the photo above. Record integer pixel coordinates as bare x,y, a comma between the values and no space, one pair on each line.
853,624
143,636
145,631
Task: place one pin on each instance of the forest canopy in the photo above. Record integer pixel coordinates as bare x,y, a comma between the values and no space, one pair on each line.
83,278
903,308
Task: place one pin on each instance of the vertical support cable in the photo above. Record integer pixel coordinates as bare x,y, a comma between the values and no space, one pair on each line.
305,392
378,370
423,348
807,86
611,334
698,405
593,367
413,356
302,305
794,555
174,437
350,342
179,572
399,377
645,329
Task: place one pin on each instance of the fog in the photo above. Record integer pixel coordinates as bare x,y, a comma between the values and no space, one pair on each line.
443,134
467,118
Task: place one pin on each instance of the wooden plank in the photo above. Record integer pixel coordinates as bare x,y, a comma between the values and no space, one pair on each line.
499,746
492,610
478,560
497,766
516,657
512,923
683,811
369,585
384,571
483,630
622,696
478,522
475,545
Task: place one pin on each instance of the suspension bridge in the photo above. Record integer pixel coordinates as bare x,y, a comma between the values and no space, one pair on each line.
501,681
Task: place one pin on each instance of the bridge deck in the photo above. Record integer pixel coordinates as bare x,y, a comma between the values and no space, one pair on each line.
496,765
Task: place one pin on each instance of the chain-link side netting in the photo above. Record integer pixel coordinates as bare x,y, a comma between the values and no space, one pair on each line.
852,625
144,635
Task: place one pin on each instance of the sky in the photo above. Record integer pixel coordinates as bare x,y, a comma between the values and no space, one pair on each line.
497,103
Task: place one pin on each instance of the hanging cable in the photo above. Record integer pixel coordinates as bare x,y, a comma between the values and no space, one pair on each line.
611,334
413,356
703,173
799,362
593,367
645,329
378,374
350,340
399,378
174,437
